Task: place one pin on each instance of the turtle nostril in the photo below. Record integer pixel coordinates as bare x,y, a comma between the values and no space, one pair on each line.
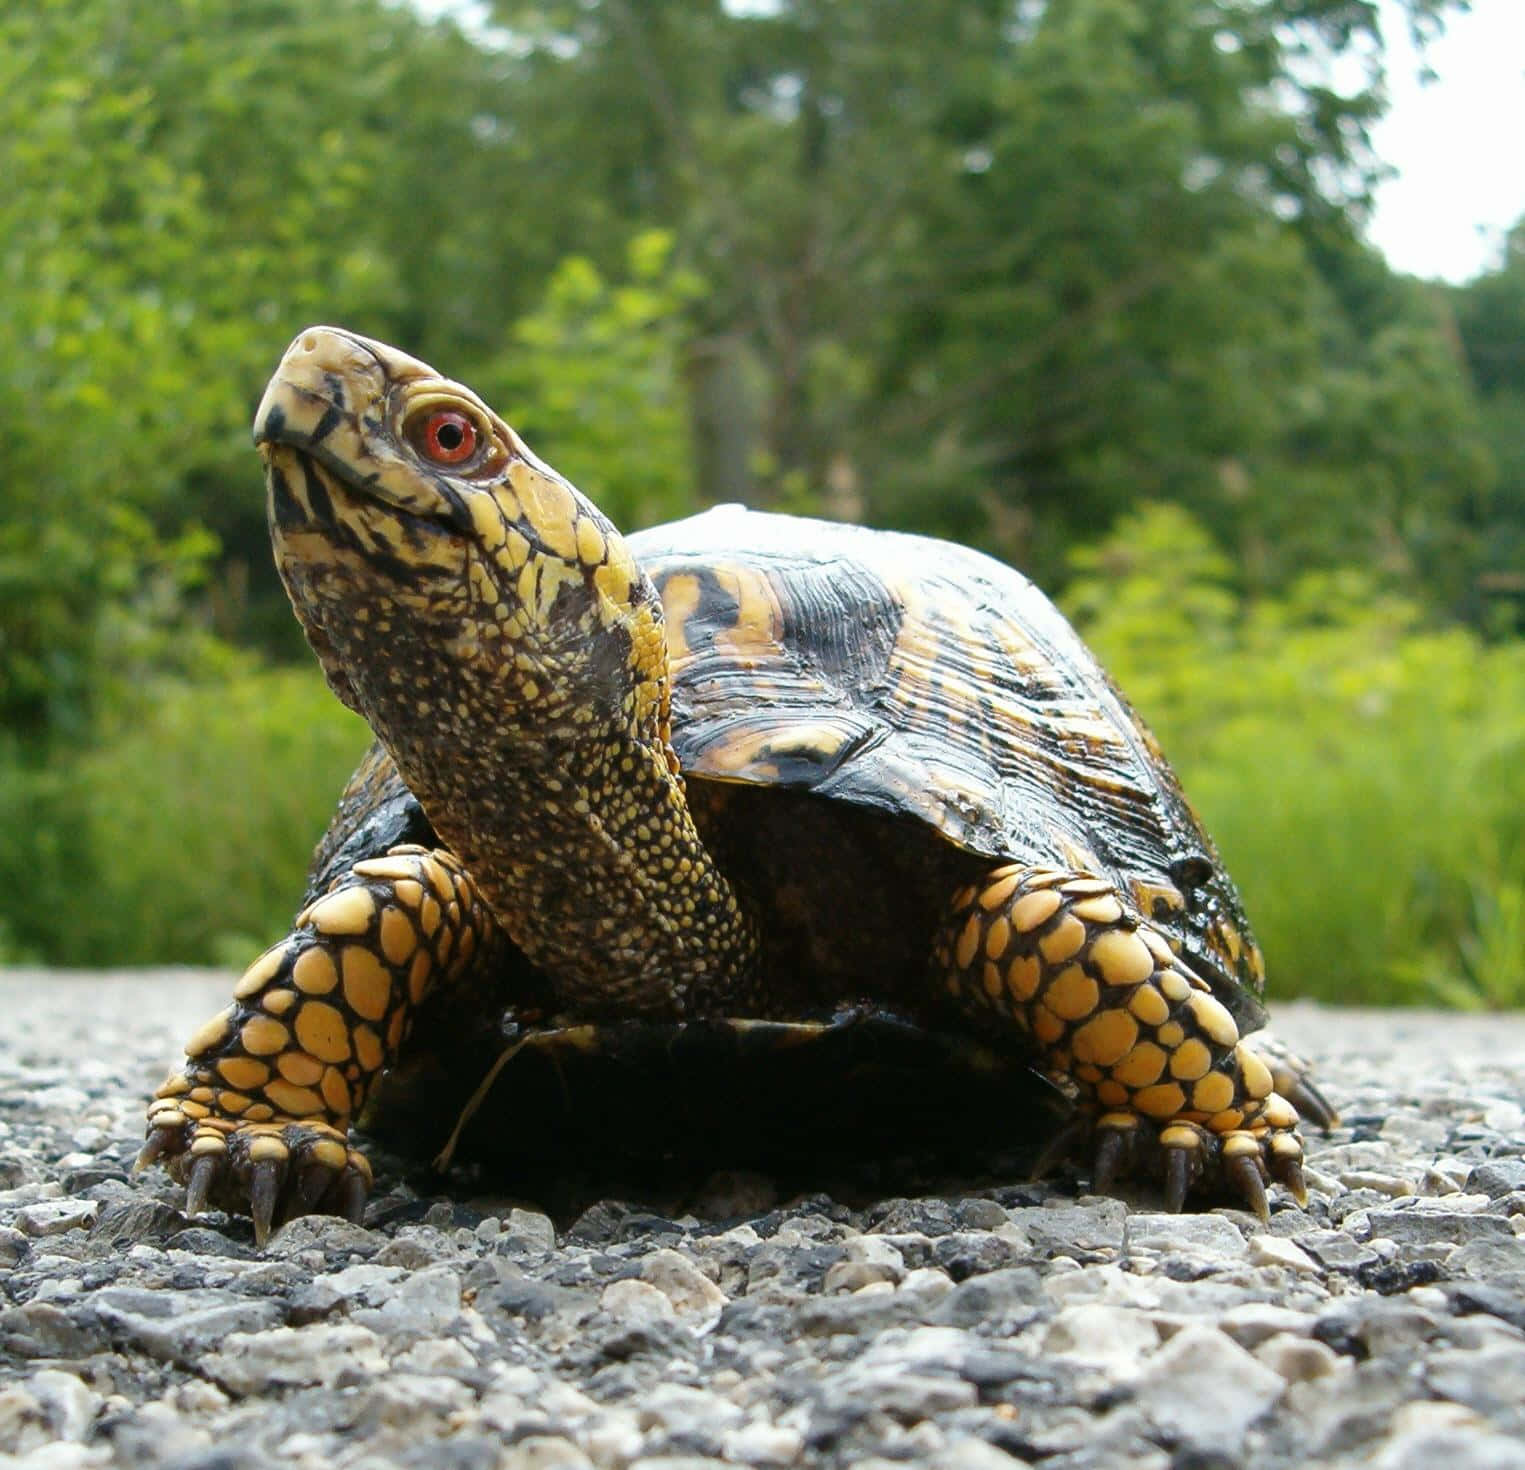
1191,872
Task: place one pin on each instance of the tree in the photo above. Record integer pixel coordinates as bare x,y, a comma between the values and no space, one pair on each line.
994,270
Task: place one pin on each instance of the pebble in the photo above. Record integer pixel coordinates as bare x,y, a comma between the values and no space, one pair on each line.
1203,1389
964,1324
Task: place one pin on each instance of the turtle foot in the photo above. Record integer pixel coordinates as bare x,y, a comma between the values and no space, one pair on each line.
271,1171
1188,1158
1292,1078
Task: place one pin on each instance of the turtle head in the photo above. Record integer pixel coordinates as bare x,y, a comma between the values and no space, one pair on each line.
443,574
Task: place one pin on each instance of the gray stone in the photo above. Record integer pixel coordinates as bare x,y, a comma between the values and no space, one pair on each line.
848,1276
903,1395
637,1301
1425,1226
995,1297
1344,1412
1273,1250
1298,1359
333,1236
980,1214
13,1245
67,1404
530,1228
1336,1251
1119,1337
1204,1390
426,1303
1095,1228
762,1443
42,1330
1491,1380
1497,1177
1208,1238
1456,1449
965,1452
545,1452
286,1357
689,1418
55,1216
1497,1262
179,1326
1254,1322
690,1291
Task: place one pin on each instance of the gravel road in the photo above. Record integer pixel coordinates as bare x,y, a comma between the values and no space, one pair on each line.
975,1325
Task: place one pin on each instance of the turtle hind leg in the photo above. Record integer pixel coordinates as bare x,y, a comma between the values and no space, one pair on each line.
1165,1081
258,1117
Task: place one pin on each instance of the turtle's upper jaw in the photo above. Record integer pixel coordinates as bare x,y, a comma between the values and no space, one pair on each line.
387,426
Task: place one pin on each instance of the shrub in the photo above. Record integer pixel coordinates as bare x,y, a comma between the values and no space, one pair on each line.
1363,774
184,836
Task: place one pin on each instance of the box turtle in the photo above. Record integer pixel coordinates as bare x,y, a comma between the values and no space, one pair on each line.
734,772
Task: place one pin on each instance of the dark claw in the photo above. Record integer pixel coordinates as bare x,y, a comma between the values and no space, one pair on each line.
153,1149
1289,1172
1242,1174
1111,1152
352,1197
1310,1102
264,1190
312,1183
198,1187
1180,1170
1060,1146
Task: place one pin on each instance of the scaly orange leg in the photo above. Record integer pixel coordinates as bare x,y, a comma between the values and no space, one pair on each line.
1157,1061
259,1115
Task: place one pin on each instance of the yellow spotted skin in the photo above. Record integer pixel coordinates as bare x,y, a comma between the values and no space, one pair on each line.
733,769
317,1018
1115,1014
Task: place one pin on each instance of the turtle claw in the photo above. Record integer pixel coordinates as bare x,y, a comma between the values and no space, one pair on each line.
1307,1099
1292,1078
1290,1175
1186,1157
353,1193
159,1142
272,1171
199,1185
1285,1162
309,1187
1181,1166
265,1182
1111,1151
1241,1173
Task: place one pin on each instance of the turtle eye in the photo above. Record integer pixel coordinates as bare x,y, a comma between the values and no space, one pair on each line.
446,436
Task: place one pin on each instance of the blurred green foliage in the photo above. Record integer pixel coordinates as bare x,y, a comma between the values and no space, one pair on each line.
184,832
1079,281
1363,773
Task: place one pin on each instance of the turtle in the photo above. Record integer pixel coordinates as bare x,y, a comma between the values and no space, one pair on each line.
744,771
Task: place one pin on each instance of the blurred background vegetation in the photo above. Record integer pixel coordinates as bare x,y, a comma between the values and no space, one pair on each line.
1079,281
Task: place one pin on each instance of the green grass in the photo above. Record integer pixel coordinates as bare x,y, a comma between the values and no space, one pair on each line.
1363,774
185,837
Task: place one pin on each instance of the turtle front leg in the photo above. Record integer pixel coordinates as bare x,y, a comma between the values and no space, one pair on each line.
1157,1061
259,1115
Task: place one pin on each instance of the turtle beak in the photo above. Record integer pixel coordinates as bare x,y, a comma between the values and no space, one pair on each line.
327,382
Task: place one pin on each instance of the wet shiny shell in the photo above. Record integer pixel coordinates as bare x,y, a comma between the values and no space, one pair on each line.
910,676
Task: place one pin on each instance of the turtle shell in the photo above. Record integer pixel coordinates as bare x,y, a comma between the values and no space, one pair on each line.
865,721
920,679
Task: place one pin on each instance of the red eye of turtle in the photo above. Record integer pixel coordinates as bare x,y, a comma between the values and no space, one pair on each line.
448,437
